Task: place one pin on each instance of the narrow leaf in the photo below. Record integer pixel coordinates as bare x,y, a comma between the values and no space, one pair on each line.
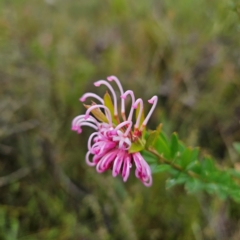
109,104
208,169
186,157
162,146
174,145
142,116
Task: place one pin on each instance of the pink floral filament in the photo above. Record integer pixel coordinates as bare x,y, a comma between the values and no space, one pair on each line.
100,82
109,145
124,96
109,117
153,101
113,78
79,119
87,95
138,101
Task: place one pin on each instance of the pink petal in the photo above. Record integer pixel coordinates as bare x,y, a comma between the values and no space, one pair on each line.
126,168
117,163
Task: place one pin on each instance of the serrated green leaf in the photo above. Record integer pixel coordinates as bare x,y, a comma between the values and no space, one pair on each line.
236,146
174,145
109,104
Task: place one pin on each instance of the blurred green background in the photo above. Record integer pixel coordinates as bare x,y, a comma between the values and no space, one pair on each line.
186,52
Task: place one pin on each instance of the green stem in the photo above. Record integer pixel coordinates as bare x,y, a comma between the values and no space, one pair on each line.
173,165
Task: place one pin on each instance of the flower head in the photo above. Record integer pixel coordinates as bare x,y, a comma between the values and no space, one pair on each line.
113,143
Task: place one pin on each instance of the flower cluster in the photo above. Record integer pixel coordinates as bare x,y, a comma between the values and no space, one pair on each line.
110,146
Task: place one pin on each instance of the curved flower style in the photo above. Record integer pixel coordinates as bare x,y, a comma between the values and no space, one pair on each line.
111,143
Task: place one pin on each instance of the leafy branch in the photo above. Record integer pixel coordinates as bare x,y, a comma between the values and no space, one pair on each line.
186,167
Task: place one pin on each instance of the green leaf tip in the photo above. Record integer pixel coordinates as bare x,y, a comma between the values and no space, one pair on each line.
137,146
151,140
174,145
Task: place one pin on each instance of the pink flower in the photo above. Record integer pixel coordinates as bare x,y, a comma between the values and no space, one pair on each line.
111,145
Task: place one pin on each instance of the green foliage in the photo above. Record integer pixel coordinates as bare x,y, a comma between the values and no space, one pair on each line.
160,168
187,168
9,225
174,145
109,104
152,136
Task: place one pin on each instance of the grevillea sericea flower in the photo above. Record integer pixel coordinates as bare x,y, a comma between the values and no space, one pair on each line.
115,143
